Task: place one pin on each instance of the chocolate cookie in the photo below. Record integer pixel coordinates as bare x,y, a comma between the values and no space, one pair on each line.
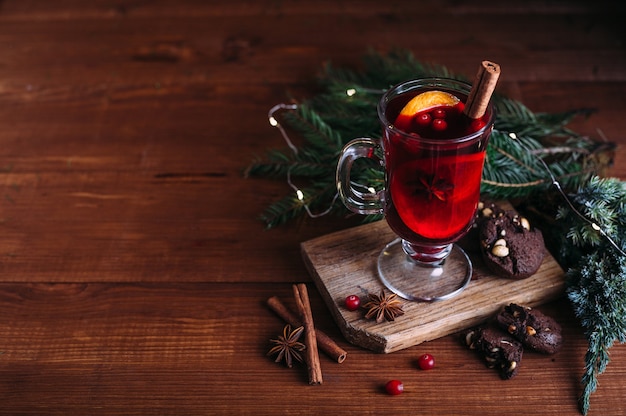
510,246
486,210
531,327
499,350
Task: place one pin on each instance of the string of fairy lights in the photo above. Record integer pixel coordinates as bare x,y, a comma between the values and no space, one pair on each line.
558,187
299,194
273,120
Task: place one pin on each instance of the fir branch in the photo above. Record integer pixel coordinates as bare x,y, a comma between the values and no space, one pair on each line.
513,169
382,71
275,165
290,207
597,291
596,283
315,130
280,212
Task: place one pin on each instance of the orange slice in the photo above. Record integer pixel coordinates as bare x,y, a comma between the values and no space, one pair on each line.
428,99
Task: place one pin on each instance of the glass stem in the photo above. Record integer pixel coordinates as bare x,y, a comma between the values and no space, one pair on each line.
427,255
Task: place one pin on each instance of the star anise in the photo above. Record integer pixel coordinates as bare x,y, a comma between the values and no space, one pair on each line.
383,307
431,186
287,346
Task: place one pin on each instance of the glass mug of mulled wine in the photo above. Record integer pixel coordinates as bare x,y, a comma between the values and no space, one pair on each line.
432,154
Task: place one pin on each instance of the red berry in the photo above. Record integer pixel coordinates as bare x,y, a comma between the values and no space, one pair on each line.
439,124
426,362
352,302
394,387
422,119
476,125
439,113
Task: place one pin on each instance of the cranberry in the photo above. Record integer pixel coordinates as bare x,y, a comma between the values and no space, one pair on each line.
439,113
352,302
394,387
439,124
426,362
476,125
422,119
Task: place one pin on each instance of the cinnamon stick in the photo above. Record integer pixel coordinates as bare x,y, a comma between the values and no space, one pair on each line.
324,342
311,353
484,85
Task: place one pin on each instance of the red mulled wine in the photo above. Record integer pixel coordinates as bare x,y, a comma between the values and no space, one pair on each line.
434,162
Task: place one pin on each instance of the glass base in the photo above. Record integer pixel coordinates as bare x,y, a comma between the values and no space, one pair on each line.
417,281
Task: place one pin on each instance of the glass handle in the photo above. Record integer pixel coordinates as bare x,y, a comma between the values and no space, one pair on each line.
358,198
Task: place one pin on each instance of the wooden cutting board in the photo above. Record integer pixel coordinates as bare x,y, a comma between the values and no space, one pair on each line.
344,263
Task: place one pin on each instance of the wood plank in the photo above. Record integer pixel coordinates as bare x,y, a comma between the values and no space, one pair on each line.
216,48
344,263
73,9
198,349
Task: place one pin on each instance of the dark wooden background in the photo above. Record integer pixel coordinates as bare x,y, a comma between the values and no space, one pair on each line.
133,266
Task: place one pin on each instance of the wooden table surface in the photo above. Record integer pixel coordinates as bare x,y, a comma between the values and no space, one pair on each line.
133,267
